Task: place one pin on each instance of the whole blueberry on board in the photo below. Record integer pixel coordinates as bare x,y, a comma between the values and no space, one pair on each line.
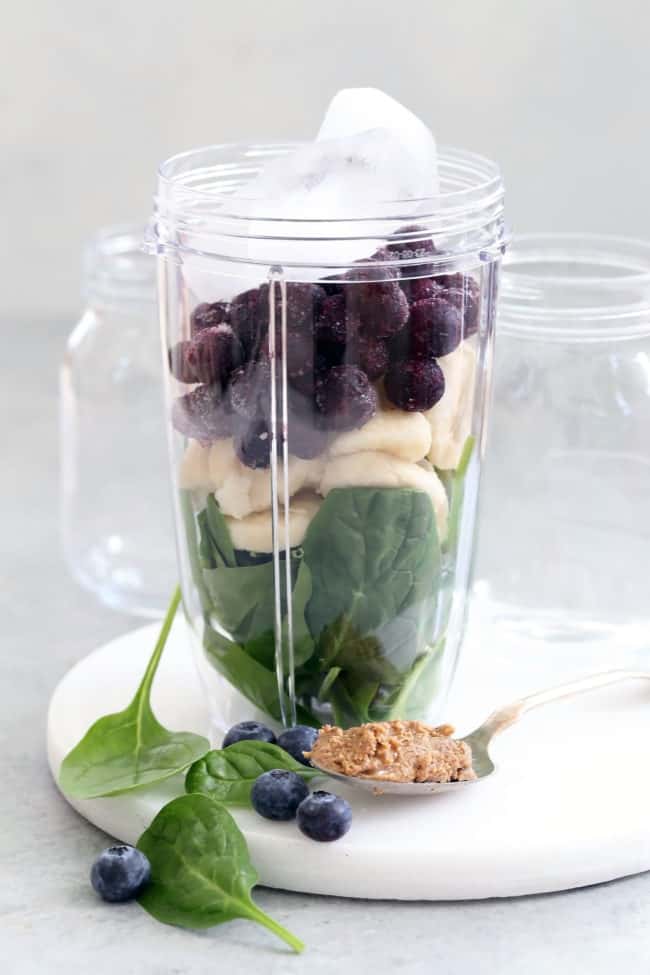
248,731
298,740
120,873
278,793
324,817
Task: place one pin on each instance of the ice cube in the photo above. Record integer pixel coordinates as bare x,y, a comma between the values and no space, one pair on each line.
355,110
359,175
372,159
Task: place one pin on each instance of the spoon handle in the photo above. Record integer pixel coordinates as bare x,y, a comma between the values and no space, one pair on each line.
504,717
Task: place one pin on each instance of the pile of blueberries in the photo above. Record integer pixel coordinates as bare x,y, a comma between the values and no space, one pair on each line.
122,872
343,335
283,795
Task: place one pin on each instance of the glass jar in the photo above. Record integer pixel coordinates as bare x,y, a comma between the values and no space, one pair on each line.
565,516
116,514
327,386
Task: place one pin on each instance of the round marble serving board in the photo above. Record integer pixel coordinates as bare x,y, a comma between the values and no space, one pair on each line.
568,806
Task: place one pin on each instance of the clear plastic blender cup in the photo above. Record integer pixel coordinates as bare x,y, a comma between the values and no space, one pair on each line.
327,420
565,518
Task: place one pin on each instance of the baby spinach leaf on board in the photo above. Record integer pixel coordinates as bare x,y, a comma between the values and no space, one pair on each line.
201,871
130,749
228,774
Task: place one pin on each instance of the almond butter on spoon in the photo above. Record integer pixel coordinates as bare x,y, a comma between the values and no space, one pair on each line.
394,751
413,758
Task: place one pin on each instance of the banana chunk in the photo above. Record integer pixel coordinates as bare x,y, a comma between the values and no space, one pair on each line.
391,431
451,418
375,469
194,473
241,491
254,532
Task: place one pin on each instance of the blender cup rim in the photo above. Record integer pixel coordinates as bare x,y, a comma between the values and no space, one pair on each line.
575,287
191,213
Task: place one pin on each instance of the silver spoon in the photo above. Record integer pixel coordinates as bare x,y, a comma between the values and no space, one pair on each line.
479,740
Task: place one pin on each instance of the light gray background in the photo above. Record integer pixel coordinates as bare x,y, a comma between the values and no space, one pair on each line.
94,93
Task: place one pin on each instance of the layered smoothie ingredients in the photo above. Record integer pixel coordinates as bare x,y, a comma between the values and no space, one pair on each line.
394,751
361,388
380,384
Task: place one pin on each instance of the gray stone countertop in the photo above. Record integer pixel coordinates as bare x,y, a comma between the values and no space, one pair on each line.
51,923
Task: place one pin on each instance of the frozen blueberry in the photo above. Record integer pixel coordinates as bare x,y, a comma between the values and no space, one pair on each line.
306,436
245,310
416,384
345,398
416,289
248,731
250,390
278,793
324,817
252,440
434,329
337,323
207,315
297,740
413,243
203,414
303,305
381,305
463,292
333,284
178,364
214,353
373,356
322,358
120,873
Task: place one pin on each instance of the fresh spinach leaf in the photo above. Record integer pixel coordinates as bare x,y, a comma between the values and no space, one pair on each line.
130,749
419,688
375,561
372,553
228,774
201,871
219,533
242,599
457,494
249,676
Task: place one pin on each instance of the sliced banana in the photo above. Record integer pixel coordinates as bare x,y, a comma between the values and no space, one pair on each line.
375,469
241,491
194,473
391,431
254,532
222,461
451,418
